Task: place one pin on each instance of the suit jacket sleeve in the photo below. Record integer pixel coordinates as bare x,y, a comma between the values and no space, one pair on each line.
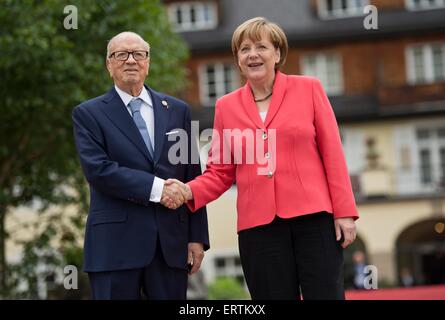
219,175
198,225
331,151
102,173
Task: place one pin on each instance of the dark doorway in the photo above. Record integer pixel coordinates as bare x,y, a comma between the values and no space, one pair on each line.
421,253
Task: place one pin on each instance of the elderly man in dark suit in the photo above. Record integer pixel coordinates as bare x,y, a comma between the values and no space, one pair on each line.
133,243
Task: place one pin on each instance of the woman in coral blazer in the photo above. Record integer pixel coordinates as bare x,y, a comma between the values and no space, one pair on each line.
277,137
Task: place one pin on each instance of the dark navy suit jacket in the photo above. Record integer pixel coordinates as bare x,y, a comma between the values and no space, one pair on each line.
123,225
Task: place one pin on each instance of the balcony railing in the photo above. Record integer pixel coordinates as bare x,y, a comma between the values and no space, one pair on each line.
399,181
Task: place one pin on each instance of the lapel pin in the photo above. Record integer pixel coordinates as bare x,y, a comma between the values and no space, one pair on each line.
164,103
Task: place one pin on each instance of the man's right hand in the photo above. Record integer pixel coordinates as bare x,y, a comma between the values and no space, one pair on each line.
175,193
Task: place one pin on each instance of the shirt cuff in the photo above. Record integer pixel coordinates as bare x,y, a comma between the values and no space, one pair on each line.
156,189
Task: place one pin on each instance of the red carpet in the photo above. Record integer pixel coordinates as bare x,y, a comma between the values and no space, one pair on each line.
436,292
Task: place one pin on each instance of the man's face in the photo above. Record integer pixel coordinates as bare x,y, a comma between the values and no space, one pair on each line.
130,72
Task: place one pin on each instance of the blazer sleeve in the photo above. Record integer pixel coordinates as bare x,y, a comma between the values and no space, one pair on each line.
102,173
198,225
331,151
219,175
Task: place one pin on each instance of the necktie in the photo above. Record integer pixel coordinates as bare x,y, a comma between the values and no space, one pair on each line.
135,106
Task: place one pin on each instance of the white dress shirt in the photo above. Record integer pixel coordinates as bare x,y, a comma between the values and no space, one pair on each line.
147,114
263,115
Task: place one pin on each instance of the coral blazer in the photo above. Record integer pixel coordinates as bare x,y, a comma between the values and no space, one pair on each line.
302,172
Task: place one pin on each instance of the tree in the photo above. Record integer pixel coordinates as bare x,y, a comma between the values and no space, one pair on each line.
46,70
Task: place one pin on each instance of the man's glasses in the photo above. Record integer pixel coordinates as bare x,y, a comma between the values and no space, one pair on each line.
124,55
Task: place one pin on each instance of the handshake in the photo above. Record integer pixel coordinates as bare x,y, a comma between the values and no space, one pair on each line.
175,193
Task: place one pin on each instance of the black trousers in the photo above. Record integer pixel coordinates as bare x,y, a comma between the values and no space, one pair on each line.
157,281
288,255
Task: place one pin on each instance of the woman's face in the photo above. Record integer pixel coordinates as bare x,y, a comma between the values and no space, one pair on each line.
257,59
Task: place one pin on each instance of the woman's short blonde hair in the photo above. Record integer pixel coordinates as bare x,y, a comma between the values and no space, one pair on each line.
253,29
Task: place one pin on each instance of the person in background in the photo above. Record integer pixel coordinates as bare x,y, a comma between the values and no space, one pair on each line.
358,259
406,277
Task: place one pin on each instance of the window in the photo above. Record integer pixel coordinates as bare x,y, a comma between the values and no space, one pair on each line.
426,63
340,8
442,167
327,68
353,141
431,150
192,16
216,80
425,166
420,158
424,4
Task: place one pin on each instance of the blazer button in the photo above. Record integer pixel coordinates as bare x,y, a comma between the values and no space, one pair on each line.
267,155
270,174
264,136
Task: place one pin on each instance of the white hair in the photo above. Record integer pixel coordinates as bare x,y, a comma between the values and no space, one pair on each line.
124,34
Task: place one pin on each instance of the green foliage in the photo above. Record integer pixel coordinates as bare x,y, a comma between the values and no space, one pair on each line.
227,288
46,70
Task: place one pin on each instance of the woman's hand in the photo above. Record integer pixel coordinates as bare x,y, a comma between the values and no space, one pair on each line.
347,227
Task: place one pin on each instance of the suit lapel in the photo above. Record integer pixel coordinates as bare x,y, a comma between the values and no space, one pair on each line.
162,114
279,90
117,112
250,106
